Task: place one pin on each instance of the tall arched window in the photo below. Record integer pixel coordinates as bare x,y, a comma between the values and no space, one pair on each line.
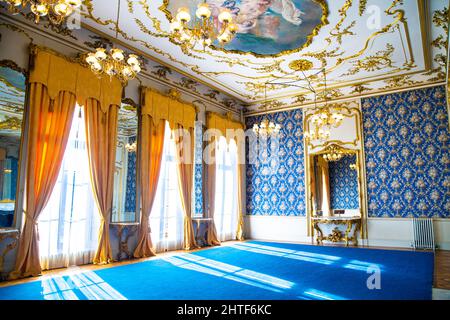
226,209
166,218
69,224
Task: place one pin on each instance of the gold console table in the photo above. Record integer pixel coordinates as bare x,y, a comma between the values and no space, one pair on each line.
9,238
124,230
342,229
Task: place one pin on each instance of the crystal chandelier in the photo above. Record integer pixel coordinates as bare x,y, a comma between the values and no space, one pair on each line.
56,10
266,127
203,30
114,62
322,120
333,153
131,147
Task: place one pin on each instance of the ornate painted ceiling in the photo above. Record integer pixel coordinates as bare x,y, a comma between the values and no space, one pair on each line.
364,45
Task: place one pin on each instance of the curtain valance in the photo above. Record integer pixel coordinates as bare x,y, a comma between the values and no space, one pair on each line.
59,74
222,123
159,106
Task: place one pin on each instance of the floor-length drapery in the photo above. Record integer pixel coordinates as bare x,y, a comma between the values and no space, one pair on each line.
185,166
69,223
101,136
167,215
241,189
211,235
49,125
323,186
152,142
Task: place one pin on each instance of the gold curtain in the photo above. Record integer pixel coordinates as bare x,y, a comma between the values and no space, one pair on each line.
56,84
323,186
48,131
210,182
101,137
159,106
241,190
185,166
221,124
58,74
181,116
151,144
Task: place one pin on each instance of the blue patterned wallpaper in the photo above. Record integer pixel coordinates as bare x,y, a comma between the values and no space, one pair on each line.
278,187
130,193
407,154
198,169
343,184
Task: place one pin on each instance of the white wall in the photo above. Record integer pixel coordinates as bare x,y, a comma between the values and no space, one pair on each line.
382,232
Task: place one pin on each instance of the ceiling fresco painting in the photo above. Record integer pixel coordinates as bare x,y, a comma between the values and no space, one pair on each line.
265,27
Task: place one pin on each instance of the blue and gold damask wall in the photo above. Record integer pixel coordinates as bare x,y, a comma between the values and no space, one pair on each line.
343,184
130,193
407,155
406,140
279,188
198,169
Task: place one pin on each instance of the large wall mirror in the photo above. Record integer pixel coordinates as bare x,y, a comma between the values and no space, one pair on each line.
335,188
125,184
335,176
12,100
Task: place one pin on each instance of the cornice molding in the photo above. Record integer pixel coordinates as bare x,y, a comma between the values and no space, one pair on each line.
344,99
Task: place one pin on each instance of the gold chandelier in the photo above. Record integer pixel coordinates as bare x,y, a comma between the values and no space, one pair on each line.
322,120
114,62
333,153
266,127
56,10
203,29
131,147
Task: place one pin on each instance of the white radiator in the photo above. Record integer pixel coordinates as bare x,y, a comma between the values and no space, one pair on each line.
423,233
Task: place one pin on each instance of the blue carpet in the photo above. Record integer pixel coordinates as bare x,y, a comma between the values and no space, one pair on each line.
248,270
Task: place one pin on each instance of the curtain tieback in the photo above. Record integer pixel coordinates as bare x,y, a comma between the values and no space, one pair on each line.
34,221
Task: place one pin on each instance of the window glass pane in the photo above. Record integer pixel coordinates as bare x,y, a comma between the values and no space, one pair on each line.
166,218
69,224
226,215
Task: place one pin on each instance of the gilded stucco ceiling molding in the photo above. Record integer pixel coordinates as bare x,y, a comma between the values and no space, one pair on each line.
399,17
277,65
440,20
382,59
155,22
89,15
323,22
362,7
216,102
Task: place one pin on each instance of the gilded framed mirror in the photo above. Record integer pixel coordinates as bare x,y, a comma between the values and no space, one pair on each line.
335,176
125,201
12,101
